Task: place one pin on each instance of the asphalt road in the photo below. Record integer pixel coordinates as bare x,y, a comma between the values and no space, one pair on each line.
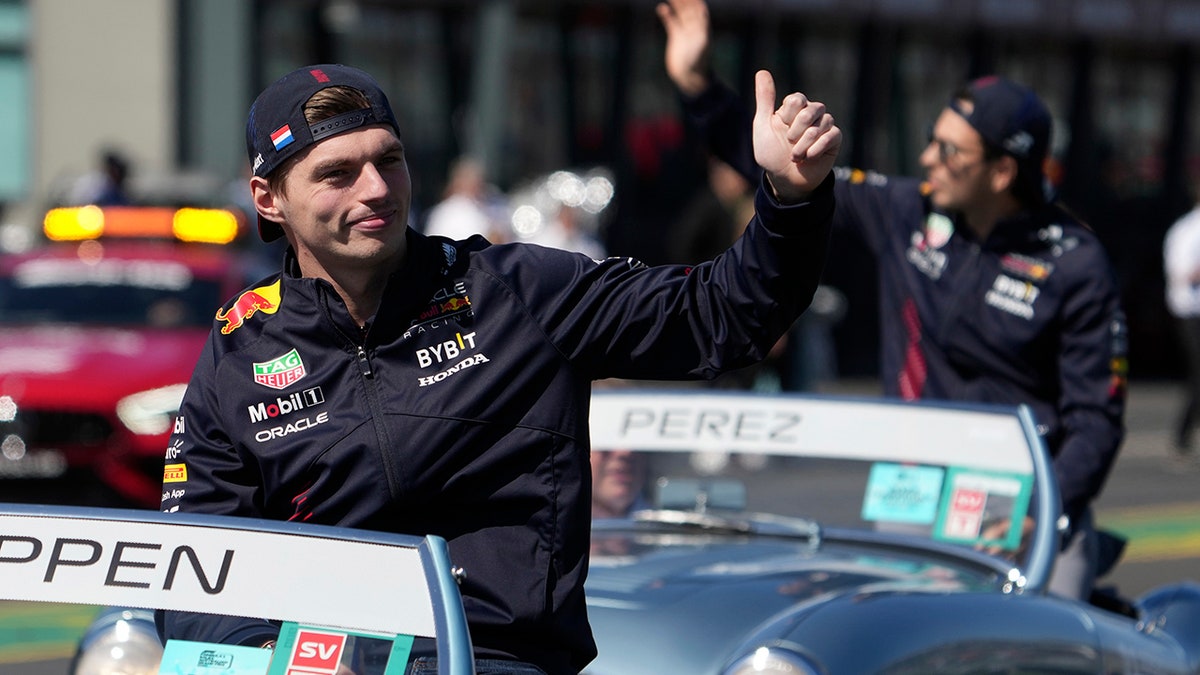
1152,498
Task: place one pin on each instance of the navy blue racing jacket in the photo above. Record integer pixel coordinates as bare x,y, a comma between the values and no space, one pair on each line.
462,409
1031,315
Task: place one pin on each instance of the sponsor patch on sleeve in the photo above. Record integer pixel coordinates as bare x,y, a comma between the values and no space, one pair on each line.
175,473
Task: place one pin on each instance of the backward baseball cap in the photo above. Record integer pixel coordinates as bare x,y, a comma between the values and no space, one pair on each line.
1010,117
276,128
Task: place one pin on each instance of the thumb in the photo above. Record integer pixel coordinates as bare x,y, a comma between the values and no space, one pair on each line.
764,94
663,10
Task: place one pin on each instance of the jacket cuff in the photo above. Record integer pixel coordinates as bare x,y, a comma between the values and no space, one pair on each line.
779,217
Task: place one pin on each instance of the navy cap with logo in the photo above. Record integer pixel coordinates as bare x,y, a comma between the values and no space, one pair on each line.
276,128
1010,117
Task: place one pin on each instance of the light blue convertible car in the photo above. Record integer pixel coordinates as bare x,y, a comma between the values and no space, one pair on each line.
740,534
801,535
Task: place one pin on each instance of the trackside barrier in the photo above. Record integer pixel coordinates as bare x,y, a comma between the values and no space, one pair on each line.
322,576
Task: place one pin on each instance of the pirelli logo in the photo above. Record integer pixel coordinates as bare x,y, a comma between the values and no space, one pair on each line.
175,473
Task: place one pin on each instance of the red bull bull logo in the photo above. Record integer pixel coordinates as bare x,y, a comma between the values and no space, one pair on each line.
455,304
261,299
444,307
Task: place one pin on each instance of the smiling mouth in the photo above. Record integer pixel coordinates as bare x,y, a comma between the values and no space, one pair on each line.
374,220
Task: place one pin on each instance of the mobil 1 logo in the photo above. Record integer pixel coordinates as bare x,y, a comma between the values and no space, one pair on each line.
285,405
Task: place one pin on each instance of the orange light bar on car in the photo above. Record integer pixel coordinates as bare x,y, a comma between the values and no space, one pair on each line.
211,226
86,222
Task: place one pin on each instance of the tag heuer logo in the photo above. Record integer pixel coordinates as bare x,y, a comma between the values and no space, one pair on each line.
281,372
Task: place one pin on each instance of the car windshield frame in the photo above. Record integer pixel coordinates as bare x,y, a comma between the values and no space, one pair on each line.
966,441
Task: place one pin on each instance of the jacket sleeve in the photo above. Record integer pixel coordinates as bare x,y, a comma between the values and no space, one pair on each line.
618,318
219,481
871,205
1093,368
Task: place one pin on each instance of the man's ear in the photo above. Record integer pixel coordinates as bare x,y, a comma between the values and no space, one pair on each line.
1004,174
265,201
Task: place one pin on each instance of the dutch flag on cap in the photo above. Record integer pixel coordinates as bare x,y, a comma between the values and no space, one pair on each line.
282,137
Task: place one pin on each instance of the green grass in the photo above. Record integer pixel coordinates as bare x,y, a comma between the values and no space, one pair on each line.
1155,533
39,631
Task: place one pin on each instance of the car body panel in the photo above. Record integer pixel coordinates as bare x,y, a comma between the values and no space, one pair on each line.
81,367
677,580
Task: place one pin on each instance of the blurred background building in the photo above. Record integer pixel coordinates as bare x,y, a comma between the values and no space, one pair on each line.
533,86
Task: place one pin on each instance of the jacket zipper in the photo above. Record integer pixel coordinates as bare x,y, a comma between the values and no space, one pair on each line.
364,363
367,372
371,385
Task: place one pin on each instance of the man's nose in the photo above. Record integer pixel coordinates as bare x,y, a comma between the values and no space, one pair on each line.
929,156
371,182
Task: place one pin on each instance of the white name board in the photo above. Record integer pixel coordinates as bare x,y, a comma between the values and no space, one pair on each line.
796,425
357,585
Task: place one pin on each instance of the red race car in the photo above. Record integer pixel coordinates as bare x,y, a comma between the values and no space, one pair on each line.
99,331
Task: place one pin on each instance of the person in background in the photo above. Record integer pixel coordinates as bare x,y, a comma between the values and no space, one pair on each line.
618,482
1181,267
109,186
468,206
566,230
989,291
443,386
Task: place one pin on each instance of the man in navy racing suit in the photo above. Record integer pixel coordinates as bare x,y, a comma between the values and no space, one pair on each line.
392,381
988,292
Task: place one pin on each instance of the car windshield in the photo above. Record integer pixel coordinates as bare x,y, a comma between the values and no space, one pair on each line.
943,503
789,464
110,292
